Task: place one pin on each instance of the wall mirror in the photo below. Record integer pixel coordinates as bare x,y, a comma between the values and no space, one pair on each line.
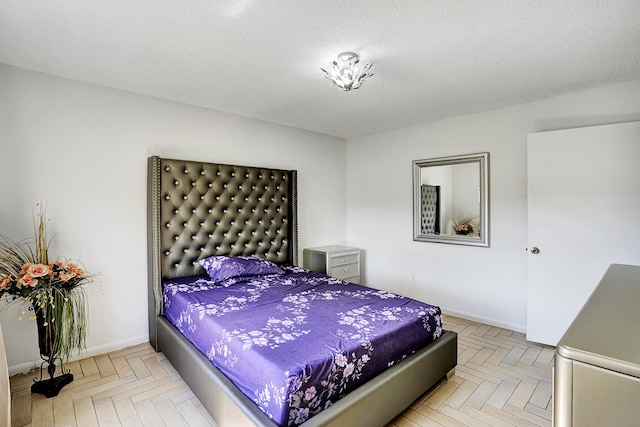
450,200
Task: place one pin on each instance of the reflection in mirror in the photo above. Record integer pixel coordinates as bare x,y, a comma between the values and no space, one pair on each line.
450,200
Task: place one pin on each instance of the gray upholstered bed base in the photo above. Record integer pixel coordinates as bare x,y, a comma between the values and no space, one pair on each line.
198,209
374,404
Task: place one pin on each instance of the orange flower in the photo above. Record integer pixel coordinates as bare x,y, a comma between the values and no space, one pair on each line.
25,268
27,280
64,276
5,282
72,268
38,270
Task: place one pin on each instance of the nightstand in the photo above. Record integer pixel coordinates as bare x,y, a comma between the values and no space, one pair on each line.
342,262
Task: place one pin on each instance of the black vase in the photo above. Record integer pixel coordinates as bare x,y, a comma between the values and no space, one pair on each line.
46,338
46,333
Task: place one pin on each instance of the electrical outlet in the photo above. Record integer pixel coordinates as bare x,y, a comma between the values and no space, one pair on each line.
413,277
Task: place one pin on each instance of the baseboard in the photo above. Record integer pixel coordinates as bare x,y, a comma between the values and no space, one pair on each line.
114,346
23,368
485,320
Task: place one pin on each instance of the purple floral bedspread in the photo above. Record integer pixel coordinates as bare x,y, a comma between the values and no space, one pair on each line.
296,343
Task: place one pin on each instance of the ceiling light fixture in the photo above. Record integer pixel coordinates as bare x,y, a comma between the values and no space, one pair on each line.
344,74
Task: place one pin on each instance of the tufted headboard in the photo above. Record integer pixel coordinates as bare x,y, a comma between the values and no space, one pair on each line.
430,211
196,210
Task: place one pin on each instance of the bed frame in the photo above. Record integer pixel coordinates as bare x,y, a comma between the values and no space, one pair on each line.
198,209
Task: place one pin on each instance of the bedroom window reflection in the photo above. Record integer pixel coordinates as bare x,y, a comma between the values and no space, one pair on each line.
451,199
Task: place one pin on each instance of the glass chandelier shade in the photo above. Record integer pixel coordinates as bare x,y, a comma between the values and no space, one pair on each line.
343,72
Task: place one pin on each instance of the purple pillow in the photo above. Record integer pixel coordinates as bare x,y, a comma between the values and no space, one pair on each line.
221,268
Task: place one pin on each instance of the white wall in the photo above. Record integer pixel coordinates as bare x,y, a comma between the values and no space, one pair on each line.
82,150
485,284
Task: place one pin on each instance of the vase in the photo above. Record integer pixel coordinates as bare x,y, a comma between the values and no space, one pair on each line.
462,232
46,343
46,333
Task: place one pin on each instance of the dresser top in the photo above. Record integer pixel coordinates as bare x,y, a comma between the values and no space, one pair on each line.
332,248
606,332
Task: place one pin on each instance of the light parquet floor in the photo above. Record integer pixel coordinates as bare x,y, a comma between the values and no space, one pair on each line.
501,380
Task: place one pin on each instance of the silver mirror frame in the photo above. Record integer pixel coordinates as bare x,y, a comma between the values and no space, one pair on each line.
483,239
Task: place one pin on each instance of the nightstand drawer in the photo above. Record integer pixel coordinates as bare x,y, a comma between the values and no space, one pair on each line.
340,259
345,270
352,279
341,262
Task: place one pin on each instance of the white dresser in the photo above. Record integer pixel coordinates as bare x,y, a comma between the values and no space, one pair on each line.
342,262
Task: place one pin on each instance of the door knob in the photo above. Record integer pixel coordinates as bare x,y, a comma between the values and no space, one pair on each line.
535,250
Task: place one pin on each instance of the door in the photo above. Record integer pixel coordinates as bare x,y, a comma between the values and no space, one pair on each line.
583,215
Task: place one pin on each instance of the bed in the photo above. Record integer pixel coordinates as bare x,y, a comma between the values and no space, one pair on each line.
198,210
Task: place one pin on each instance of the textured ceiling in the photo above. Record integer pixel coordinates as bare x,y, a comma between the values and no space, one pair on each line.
262,59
